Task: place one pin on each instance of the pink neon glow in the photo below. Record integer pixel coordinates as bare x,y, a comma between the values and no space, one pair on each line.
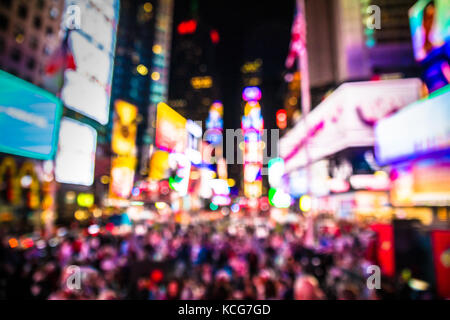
251,94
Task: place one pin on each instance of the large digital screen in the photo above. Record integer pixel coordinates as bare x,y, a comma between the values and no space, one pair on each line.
75,161
396,141
87,88
430,26
29,119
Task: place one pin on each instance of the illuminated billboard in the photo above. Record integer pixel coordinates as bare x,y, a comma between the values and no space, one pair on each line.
122,177
346,119
214,124
430,26
75,160
124,146
171,134
253,190
87,88
194,133
29,118
159,165
421,183
181,165
124,128
275,172
395,141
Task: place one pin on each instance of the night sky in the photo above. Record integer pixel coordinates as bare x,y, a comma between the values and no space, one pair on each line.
248,29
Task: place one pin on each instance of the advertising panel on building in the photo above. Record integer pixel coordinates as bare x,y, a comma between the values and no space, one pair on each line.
75,159
29,118
87,87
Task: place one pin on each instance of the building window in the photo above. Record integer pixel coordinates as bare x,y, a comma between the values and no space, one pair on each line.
54,13
34,43
16,55
19,34
40,4
18,30
49,31
31,64
37,22
3,22
2,45
47,51
6,3
23,11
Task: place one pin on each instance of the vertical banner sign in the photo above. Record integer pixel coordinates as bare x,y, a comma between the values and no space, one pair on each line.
124,148
385,248
441,257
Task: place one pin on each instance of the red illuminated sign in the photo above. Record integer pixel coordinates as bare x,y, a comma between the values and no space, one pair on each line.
187,27
441,254
385,248
215,38
281,119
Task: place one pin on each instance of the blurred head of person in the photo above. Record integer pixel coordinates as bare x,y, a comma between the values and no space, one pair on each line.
222,276
107,295
347,291
306,287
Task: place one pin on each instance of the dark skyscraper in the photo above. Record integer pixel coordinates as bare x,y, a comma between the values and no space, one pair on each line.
194,80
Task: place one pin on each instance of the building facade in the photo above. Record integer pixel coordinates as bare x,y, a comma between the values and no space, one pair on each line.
29,33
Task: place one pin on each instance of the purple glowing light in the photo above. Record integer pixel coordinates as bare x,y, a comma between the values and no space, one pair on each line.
251,94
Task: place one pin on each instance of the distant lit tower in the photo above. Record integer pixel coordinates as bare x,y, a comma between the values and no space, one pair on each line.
252,128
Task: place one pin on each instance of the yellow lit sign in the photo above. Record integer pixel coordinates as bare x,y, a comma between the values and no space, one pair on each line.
157,49
252,66
81,215
124,129
305,203
160,205
171,134
142,70
253,189
122,177
201,82
159,165
148,7
85,200
251,105
155,76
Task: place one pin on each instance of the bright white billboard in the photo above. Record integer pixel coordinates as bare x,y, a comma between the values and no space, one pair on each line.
417,130
87,89
75,160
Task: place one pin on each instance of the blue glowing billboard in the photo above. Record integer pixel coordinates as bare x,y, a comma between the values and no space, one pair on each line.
29,119
396,141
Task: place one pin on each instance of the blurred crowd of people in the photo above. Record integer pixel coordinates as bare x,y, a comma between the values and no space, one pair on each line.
208,260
